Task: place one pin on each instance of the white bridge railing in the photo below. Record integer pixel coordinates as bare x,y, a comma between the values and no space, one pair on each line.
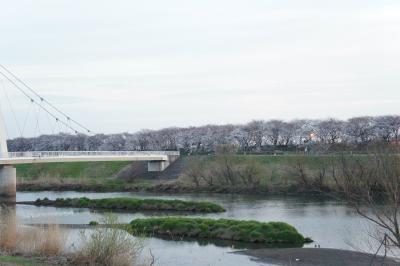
40,154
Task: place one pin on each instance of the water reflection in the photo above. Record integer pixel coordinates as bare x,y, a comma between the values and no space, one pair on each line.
225,243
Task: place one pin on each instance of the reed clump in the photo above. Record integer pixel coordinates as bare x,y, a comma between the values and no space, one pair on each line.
108,245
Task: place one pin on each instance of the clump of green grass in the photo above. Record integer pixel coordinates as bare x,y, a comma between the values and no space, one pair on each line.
132,204
21,261
93,223
246,231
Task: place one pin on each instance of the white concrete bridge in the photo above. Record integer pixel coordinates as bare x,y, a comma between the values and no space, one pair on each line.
157,160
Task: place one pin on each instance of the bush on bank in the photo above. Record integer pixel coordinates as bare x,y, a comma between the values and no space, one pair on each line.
132,204
247,231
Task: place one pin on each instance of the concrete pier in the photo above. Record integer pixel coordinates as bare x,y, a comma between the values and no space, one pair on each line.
8,188
157,166
8,173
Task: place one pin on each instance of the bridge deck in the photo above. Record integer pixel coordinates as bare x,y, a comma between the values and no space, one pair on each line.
90,156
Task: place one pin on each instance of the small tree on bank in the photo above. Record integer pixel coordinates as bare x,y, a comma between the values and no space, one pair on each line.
371,184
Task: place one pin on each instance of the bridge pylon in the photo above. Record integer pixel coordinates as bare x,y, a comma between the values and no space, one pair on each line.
8,173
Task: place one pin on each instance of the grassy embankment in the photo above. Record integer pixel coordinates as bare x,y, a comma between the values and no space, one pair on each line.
221,173
132,204
80,176
256,173
246,231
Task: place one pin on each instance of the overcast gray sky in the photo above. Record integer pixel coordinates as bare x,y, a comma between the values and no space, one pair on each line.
127,65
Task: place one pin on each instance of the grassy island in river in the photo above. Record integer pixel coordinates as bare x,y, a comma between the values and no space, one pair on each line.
246,231
132,204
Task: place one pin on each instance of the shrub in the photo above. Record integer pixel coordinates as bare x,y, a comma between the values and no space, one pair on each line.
108,246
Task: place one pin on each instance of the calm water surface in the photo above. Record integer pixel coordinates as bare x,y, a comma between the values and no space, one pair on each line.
330,223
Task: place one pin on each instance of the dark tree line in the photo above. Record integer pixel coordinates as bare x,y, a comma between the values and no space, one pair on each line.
257,136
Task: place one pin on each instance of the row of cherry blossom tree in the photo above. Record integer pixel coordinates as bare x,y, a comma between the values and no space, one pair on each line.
255,136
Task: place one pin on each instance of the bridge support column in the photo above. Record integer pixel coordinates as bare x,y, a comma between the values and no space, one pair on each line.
8,187
157,166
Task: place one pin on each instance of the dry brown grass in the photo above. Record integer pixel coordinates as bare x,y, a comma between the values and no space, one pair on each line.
8,229
46,241
108,246
28,240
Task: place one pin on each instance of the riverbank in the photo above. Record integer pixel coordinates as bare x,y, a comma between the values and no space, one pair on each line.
281,256
264,174
176,187
317,257
18,260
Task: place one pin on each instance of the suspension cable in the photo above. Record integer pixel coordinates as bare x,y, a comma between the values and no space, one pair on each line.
45,101
3,118
12,109
26,117
51,124
37,103
37,128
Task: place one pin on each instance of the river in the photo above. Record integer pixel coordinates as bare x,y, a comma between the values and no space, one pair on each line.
330,223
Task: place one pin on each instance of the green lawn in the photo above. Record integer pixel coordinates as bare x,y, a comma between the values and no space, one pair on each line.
311,160
70,170
10,260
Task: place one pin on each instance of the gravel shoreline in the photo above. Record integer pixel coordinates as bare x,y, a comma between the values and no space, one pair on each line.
317,257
